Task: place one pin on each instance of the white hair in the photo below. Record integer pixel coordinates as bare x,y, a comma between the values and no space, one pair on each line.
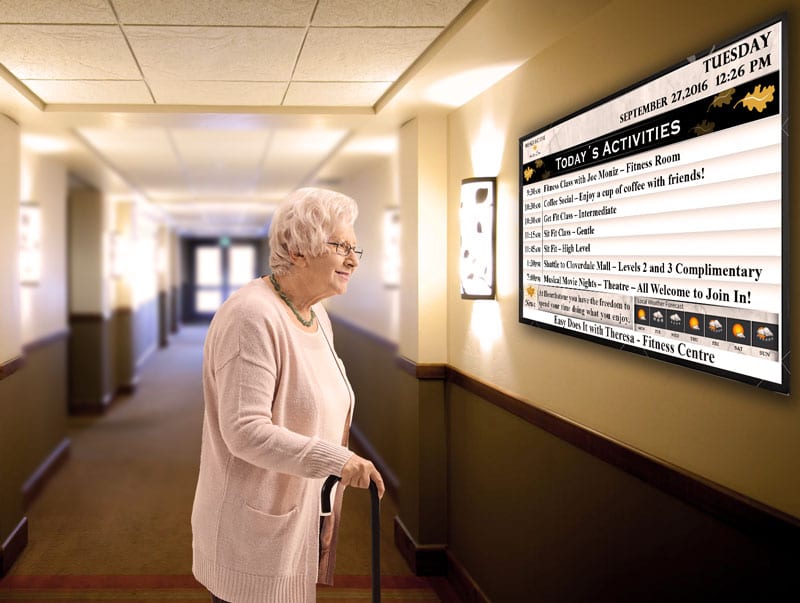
303,224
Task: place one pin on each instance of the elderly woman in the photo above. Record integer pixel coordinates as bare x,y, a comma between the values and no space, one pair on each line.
278,407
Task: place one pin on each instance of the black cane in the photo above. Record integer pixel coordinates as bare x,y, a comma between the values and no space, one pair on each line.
326,505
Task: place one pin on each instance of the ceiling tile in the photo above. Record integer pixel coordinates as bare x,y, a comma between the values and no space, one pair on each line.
215,53
56,11
340,94
224,148
66,52
216,161
275,13
172,92
398,13
331,55
292,156
133,147
144,155
91,92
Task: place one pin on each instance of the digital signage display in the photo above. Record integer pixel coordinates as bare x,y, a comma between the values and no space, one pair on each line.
656,220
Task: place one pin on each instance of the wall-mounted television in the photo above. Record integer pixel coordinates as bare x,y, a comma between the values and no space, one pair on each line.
656,219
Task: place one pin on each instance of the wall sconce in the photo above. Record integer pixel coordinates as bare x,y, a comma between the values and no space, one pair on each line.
119,255
477,219
30,243
390,266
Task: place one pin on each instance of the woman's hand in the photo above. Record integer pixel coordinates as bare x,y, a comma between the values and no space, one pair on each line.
358,472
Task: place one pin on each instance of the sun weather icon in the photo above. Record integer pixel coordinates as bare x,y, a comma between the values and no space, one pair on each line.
694,323
641,314
737,330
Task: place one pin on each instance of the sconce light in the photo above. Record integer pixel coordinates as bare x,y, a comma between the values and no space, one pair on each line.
391,248
119,255
30,243
477,219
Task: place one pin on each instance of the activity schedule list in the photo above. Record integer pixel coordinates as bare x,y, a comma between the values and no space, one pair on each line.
664,234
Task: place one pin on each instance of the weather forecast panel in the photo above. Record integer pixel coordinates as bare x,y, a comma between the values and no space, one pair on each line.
655,219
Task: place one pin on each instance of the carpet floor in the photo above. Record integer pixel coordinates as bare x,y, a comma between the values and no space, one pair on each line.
113,523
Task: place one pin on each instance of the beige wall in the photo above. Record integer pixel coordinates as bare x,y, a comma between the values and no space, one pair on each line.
90,287
33,399
43,306
10,332
368,303
736,435
423,217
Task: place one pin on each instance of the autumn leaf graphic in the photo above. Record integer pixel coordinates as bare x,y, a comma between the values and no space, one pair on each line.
723,98
758,98
539,164
704,127
527,173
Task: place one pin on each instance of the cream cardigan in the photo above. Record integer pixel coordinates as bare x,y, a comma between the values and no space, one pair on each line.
255,520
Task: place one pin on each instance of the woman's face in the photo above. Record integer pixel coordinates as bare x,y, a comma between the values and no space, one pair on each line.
331,272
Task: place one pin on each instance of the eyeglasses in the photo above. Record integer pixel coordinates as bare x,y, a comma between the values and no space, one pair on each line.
345,249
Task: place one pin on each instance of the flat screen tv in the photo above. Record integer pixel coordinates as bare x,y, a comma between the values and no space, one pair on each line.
656,220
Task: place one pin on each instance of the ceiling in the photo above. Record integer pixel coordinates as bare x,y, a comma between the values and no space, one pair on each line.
214,110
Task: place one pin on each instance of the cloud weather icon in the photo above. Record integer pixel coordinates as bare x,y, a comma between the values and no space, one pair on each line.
714,325
675,319
658,316
764,334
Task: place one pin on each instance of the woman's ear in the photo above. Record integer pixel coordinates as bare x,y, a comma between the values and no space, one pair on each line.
298,259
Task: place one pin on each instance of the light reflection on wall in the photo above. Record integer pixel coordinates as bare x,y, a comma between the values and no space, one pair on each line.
485,324
486,152
462,87
487,149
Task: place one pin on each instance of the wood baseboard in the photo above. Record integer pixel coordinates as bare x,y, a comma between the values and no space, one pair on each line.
10,367
462,583
86,406
129,388
34,484
424,560
13,546
436,560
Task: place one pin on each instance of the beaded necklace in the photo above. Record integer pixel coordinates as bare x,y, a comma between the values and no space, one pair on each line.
285,298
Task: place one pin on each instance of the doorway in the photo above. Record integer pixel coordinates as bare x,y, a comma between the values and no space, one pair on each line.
215,268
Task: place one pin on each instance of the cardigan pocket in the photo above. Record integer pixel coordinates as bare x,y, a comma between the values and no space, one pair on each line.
260,543
269,516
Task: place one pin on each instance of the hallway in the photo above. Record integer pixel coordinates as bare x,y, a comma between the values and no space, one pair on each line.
597,410
113,522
